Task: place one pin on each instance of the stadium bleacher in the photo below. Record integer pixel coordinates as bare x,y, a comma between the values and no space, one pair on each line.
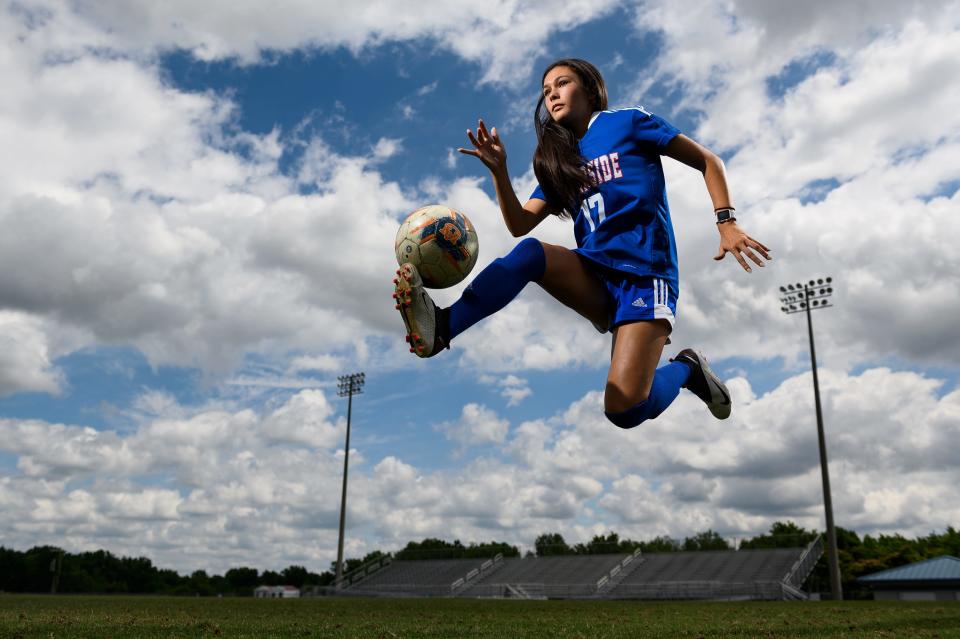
725,574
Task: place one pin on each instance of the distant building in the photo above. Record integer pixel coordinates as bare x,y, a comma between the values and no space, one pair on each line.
936,579
276,592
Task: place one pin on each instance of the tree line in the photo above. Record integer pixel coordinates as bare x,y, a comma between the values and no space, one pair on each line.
38,569
44,567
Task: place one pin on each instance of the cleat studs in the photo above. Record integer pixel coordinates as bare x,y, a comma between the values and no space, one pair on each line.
407,302
406,338
412,351
396,306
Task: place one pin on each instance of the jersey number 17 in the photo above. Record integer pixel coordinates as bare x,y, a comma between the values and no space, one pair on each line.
591,204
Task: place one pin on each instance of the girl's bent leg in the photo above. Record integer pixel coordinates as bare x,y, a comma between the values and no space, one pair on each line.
557,269
636,389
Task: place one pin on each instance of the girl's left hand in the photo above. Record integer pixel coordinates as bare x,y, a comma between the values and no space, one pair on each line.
488,147
735,241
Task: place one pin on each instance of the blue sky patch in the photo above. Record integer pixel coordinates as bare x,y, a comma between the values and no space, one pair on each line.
946,189
817,191
102,383
798,70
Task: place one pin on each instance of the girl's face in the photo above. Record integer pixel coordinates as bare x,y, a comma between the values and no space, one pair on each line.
565,98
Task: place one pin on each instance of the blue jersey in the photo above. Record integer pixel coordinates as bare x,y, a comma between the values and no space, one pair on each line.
624,221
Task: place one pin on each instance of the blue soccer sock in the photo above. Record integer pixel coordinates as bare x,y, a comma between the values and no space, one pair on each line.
667,382
497,284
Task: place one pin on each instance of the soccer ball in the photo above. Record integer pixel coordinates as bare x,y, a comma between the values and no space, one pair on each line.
440,242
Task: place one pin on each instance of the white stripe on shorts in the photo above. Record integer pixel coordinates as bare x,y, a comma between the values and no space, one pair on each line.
661,292
661,295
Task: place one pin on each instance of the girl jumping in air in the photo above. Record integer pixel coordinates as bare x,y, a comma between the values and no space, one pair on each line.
602,168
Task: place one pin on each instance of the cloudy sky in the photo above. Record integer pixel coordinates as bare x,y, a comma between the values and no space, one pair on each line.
197,209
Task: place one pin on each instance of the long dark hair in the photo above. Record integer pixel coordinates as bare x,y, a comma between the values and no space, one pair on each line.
557,162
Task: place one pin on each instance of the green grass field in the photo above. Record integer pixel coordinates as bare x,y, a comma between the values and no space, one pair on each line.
121,617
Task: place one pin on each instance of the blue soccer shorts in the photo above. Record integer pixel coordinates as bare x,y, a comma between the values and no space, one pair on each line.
634,298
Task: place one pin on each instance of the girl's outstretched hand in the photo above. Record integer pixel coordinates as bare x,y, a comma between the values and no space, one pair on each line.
488,147
735,241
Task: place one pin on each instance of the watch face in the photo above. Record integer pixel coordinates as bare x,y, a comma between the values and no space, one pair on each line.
723,216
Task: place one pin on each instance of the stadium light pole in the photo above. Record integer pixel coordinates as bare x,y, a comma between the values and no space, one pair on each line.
348,386
802,298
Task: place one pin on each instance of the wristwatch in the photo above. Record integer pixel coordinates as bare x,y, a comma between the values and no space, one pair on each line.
725,215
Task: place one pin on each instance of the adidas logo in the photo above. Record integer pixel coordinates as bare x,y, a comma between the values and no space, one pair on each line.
639,302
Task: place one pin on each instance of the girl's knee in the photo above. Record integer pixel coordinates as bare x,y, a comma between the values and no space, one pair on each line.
625,415
528,255
530,248
630,418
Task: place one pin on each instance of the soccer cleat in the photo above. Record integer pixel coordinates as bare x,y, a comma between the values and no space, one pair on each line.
422,318
704,383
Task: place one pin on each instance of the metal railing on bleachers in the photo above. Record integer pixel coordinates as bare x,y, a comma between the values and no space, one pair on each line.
357,575
802,568
619,572
789,592
486,568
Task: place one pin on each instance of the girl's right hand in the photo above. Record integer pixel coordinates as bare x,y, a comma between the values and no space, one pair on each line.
488,147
